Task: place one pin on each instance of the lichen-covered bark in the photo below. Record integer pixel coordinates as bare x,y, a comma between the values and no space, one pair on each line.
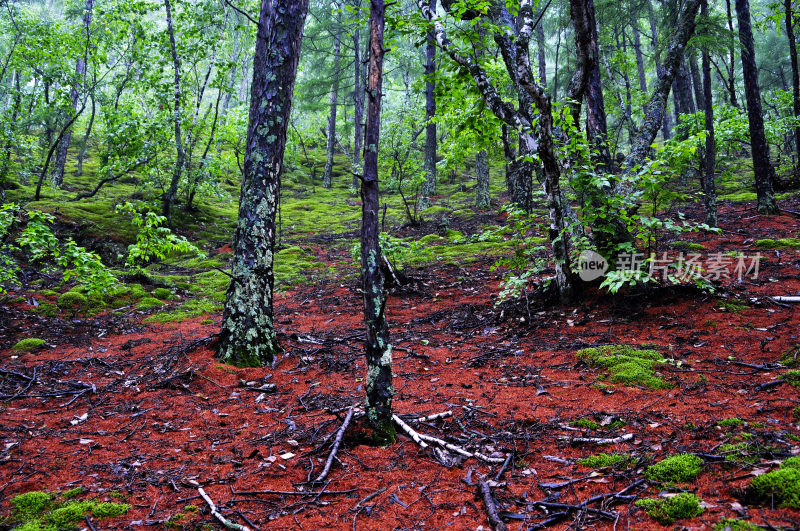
247,337
482,198
333,101
710,155
429,185
762,167
379,390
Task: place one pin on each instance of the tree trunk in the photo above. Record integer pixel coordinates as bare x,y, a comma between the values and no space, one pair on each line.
429,185
85,142
333,100
682,92
11,131
57,175
795,73
637,46
666,126
710,158
732,55
247,337
358,100
540,49
697,81
172,191
483,199
379,390
762,167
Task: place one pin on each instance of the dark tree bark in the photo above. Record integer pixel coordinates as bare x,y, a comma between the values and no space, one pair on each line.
333,101
540,51
682,91
10,141
482,198
795,72
596,125
172,190
379,390
762,167
247,337
710,155
651,16
637,47
732,56
358,100
697,81
60,163
429,185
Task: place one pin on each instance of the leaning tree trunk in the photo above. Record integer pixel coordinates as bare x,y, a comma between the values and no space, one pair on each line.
247,337
172,191
333,101
710,159
379,390
483,199
795,73
762,167
429,184
57,175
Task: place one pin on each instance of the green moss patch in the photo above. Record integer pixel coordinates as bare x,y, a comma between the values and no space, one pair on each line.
781,486
792,378
72,300
680,468
29,344
148,303
162,293
731,422
44,511
626,364
732,524
667,510
608,461
783,243
688,246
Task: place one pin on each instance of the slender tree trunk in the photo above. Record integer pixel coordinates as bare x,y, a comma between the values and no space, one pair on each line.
697,81
333,100
57,175
762,167
710,158
540,49
682,91
379,390
666,125
358,100
11,131
172,191
795,72
637,46
429,185
732,56
85,142
483,199
248,337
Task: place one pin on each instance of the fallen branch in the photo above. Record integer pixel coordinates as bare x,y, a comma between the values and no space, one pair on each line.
435,416
409,431
491,507
336,443
599,440
224,521
459,450
785,298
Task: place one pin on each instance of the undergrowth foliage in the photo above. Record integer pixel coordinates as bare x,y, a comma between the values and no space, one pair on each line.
153,239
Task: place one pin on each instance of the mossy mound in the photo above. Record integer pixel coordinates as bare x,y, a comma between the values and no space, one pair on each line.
586,424
781,486
680,468
148,303
782,243
608,461
791,358
688,246
730,423
732,524
162,293
44,511
431,238
72,300
666,510
29,344
626,364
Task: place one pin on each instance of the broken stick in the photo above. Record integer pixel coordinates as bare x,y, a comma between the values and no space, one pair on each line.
336,443
410,431
224,521
491,507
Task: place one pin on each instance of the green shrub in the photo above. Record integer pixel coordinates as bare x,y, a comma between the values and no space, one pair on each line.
679,468
29,344
667,510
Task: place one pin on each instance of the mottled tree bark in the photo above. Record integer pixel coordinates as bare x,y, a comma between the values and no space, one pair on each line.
710,155
247,337
57,175
172,190
762,167
482,198
379,390
333,101
429,184
540,51
795,72
596,125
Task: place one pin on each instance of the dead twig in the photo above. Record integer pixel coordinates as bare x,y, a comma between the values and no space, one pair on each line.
491,507
216,514
336,442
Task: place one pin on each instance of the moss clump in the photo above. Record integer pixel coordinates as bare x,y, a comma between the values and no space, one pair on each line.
667,510
148,303
688,246
72,300
679,468
607,461
732,524
782,243
29,344
71,493
626,364
731,422
192,308
69,513
31,503
733,306
792,378
791,357
110,509
431,238
162,293
742,452
585,424
451,234
780,486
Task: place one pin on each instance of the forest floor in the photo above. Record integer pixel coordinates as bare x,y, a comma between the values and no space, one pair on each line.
137,410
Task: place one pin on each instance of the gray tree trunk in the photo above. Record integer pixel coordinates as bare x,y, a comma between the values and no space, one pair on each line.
358,101
248,337
483,199
429,185
172,191
795,72
333,101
